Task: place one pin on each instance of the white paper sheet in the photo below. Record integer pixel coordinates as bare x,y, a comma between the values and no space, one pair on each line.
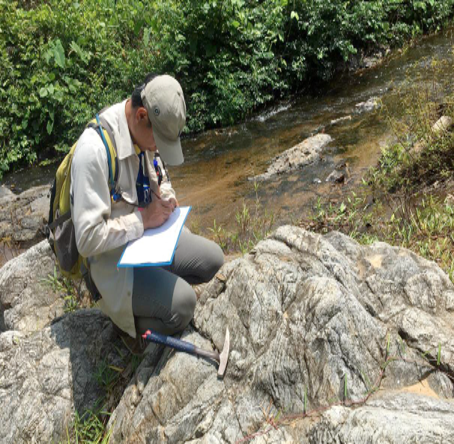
157,245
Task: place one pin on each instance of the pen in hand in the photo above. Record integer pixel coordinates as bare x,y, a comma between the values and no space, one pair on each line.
156,194
174,204
156,212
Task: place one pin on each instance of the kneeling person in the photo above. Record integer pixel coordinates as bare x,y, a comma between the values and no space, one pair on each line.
146,128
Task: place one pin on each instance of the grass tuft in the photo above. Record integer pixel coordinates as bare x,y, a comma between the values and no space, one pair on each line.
252,224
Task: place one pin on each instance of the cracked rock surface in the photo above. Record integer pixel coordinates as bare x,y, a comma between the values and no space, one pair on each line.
23,216
22,220
312,319
359,338
28,302
48,375
391,418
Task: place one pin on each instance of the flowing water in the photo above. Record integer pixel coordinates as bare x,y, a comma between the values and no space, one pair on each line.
218,163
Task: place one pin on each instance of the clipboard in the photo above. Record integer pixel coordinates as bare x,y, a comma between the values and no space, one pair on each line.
157,245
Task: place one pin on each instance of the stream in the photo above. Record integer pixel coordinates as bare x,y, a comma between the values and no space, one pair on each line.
218,163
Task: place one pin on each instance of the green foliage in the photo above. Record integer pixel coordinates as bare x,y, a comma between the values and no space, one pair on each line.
89,428
66,287
63,60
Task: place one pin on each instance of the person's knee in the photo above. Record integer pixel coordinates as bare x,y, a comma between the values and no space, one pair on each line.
176,320
183,309
214,261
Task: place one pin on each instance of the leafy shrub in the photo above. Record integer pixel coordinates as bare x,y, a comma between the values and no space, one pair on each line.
61,61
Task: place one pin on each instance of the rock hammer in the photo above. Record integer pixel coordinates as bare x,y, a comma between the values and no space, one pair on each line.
187,347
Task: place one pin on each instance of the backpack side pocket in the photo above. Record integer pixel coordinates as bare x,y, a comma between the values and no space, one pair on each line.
65,245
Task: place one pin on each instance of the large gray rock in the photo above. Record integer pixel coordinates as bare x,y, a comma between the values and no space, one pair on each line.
47,376
307,152
22,220
5,192
393,418
28,301
313,319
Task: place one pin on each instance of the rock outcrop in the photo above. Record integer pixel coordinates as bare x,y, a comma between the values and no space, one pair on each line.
47,376
314,320
305,153
392,418
28,299
328,341
23,216
5,192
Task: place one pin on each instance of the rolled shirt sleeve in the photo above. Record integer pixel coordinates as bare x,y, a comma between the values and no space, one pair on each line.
96,232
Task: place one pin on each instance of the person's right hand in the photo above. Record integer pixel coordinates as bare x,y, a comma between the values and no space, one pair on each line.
156,213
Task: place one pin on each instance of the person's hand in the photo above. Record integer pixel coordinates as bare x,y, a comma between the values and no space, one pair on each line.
156,213
174,202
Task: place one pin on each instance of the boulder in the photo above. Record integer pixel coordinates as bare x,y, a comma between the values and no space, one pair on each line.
305,153
23,217
394,418
47,376
368,106
443,124
317,324
335,176
29,299
5,192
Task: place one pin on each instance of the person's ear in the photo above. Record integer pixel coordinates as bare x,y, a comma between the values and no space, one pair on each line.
141,115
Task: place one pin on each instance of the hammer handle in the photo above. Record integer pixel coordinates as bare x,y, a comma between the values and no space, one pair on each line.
169,341
207,353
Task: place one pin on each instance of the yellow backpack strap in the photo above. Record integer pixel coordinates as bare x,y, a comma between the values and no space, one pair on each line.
106,134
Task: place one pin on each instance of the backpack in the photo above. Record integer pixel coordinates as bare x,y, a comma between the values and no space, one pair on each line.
60,229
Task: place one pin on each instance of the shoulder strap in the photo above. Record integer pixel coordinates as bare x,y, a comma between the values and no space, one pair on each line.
99,124
106,125
109,158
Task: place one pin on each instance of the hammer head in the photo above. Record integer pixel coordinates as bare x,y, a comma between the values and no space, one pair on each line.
224,356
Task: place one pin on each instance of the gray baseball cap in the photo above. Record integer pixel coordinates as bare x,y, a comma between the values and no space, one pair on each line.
163,98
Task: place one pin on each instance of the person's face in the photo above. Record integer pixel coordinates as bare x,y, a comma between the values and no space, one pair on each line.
143,133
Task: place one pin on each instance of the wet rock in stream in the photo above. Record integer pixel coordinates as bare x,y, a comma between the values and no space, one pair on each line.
368,106
341,120
336,176
305,153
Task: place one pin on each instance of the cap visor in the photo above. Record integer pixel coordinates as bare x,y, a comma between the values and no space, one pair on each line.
169,150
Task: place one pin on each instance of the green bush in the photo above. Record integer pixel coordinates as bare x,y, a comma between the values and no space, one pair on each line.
63,60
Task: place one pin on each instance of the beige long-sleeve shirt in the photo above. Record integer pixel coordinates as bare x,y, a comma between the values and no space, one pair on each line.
103,227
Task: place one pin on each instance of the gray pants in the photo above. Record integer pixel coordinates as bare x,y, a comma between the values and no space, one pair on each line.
163,299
